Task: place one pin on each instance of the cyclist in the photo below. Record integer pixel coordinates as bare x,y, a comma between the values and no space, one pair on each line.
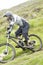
23,25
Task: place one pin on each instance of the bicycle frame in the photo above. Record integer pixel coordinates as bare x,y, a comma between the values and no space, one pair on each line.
13,39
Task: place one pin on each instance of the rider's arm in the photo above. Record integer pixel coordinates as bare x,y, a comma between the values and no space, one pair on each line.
9,29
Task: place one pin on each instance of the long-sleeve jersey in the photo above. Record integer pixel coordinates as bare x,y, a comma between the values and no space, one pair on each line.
15,20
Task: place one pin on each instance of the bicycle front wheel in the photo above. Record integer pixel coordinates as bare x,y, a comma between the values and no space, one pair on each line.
36,42
6,54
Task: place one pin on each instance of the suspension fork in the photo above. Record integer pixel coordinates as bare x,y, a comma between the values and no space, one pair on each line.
7,45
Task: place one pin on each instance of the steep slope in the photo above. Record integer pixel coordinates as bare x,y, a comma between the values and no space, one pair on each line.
33,13
30,9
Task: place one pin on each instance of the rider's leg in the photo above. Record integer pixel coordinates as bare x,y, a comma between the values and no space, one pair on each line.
26,38
25,32
18,33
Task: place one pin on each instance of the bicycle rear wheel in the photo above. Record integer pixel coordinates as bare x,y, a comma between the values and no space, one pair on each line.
6,56
36,42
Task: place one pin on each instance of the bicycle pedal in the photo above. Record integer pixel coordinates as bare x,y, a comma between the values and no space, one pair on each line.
29,47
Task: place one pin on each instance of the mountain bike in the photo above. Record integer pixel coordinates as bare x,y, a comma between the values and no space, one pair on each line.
7,51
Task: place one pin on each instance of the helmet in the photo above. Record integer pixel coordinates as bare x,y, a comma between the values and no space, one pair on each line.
7,14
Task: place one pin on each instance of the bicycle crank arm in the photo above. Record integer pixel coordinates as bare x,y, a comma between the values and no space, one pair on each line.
28,47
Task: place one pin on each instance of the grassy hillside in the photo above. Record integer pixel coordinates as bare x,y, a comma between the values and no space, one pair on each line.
26,59
31,9
33,13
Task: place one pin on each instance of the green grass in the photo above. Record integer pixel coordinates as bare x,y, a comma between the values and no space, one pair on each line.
27,57
36,27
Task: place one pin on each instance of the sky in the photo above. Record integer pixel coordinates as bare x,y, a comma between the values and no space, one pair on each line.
5,4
